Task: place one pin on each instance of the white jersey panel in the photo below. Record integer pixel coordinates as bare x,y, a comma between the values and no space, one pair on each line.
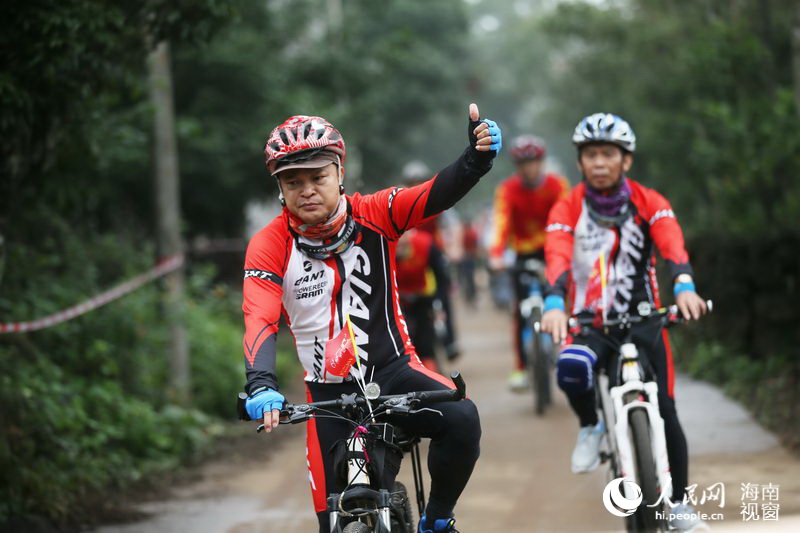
590,240
307,288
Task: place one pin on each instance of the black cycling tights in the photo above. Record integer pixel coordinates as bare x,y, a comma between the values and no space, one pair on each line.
650,342
455,436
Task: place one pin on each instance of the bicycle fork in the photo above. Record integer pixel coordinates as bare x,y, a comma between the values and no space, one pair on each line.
359,488
621,432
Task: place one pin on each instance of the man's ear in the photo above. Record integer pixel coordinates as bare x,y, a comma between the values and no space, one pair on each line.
627,161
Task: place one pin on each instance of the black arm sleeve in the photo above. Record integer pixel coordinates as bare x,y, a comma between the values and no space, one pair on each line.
262,373
676,269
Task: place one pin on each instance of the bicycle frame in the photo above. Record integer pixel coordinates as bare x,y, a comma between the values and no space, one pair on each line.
635,391
536,345
534,270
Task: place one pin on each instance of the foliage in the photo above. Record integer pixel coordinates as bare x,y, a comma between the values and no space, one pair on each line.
708,90
389,75
707,86
66,66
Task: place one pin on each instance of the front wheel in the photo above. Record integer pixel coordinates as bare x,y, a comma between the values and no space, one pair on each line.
539,367
646,476
402,515
356,527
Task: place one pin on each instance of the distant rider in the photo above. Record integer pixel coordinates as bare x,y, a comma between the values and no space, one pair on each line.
522,203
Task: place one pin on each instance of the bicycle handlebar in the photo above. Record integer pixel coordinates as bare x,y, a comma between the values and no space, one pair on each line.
401,403
670,315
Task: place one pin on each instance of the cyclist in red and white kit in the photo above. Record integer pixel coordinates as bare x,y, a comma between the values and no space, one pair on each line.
522,203
612,218
329,255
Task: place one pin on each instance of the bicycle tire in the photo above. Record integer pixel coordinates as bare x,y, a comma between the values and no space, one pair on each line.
357,527
539,368
646,476
402,514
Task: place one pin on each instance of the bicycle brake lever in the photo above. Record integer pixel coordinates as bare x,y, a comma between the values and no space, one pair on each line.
415,411
399,409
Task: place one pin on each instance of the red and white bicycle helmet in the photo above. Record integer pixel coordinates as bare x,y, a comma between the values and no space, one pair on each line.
300,138
527,147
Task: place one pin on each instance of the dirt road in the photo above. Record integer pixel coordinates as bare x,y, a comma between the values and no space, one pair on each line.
522,481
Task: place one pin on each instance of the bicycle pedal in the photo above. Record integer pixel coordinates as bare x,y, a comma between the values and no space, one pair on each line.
604,456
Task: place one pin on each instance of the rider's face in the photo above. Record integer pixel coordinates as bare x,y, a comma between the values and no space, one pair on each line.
311,194
530,170
603,164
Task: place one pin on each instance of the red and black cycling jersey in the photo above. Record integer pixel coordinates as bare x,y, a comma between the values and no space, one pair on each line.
421,268
575,244
315,295
520,213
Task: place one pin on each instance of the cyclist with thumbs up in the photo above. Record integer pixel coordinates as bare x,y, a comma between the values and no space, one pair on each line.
328,255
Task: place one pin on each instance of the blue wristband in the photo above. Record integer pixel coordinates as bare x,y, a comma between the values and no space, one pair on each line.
264,401
554,301
683,287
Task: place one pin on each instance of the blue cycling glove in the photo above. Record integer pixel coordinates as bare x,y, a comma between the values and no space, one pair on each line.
494,132
497,135
266,400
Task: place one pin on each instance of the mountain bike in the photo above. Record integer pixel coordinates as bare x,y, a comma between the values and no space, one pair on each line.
537,347
634,444
370,457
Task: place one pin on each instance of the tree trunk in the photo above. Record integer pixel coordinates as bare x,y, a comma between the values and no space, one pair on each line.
168,214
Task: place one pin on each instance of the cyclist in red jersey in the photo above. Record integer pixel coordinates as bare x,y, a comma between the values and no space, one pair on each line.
421,277
611,218
522,203
329,255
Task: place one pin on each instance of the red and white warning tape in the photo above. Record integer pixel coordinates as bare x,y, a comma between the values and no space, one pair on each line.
164,267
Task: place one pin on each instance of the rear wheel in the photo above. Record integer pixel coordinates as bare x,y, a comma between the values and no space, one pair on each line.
402,515
646,476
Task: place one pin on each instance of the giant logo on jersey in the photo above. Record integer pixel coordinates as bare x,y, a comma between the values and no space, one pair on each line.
630,255
354,296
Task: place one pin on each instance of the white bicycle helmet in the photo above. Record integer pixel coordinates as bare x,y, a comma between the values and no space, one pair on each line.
605,127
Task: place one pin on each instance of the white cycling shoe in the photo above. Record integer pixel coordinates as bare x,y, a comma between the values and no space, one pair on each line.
684,518
586,455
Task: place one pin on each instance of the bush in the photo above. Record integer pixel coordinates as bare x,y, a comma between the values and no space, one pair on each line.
85,405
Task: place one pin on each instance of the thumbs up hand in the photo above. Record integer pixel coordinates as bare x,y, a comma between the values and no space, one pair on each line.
485,135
